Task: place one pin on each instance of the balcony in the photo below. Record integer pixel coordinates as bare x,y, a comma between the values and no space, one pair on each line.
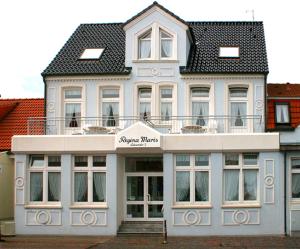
165,125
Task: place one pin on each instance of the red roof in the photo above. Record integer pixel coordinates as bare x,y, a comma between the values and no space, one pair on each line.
283,90
14,114
287,93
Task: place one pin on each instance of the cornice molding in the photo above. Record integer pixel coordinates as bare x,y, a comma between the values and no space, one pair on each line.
222,77
80,79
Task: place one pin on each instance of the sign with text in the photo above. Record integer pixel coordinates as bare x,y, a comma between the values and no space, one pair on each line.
138,135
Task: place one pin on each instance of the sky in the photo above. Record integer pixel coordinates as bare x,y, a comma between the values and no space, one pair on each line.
33,31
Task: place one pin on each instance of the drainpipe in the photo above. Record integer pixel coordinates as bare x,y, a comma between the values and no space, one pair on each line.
45,96
285,205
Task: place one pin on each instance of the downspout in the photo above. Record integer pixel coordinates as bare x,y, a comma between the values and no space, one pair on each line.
266,104
285,188
45,96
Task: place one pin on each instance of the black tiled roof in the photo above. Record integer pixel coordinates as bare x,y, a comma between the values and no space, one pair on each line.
209,36
109,36
203,57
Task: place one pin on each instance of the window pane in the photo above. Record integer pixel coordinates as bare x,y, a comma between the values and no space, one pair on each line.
296,185
165,35
238,113
145,46
81,161
110,93
166,48
165,93
231,178
250,184
54,161
200,92
135,188
201,186
73,114
73,93
99,161
182,160
231,159
80,187
250,159
200,113
99,187
201,160
37,160
36,186
229,52
54,183
182,186
135,211
166,111
145,110
296,163
145,92
110,112
282,114
238,92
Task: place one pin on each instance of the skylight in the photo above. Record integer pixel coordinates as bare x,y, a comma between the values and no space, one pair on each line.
229,52
91,53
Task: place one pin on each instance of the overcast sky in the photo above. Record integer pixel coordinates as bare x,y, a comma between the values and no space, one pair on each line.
33,31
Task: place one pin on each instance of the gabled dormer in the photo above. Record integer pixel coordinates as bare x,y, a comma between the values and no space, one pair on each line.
156,35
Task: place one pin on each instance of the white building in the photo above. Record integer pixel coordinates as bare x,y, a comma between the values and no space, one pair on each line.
155,118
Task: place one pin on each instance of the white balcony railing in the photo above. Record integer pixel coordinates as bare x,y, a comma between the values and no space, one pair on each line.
171,124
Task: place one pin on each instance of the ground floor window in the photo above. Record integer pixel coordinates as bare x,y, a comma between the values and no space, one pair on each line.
192,177
240,178
295,163
44,178
89,179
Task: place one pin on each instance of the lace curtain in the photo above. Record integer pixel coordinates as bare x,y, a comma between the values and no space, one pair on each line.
250,184
282,114
166,48
145,49
295,185
36,186
166,111
238,113
200,113
182,186
231,185
110,114
201,186
73,113
99,187
54,186
80,187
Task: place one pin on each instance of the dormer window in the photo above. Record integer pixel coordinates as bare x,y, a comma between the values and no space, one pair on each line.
229,52
282,113
145,45
166,45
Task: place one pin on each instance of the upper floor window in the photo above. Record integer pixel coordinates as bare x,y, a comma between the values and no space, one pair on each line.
145,102
238,106
110,107
166,100
200,105
229,52
166,45
145,45
72,106
282,113
44,178
295,163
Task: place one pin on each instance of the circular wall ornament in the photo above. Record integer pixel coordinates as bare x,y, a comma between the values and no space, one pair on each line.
19,182
269,180
88,217
259,104
50,106
154,71
191,217
43,217
240,216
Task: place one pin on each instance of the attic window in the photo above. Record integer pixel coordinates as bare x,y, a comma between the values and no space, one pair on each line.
91,53
229,52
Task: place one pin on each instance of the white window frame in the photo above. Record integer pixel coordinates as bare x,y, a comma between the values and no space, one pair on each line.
241,168
288,113
192,169
144,100
140,38
160,44
293,171
166,100
89,170
45,169
109,100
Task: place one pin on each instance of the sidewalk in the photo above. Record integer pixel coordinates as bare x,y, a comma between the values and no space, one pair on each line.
263,242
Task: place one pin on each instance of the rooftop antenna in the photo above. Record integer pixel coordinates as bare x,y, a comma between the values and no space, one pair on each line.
252,11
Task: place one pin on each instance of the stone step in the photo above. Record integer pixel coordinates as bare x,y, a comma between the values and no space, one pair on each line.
141,228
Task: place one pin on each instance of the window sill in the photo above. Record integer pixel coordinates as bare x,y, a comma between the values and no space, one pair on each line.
156,61
242,205
205,206
44,206
88,206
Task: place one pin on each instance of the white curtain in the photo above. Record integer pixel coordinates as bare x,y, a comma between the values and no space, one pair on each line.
282,115
73,113
238,113
145,110
295,185
231,185
182,160
201,186
80,187
166,111
99,187
110,113
200,113
54,183
145,48
182,186
250,184
166,48
36,186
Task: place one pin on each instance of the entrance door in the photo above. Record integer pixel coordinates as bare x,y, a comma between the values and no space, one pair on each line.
144,197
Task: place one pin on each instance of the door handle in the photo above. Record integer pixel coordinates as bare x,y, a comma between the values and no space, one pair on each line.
148,197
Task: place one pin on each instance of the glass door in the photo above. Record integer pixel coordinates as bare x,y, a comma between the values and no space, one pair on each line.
144,196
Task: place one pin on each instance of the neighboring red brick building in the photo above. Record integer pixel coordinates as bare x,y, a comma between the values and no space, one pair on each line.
14,114
283,106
